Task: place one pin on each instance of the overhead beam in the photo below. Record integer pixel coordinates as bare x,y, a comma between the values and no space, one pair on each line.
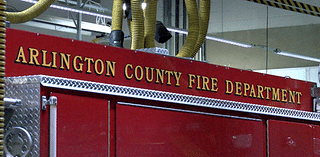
86,7
64,22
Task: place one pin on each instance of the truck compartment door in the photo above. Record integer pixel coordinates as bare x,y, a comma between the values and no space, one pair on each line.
290,139
82,125
143,130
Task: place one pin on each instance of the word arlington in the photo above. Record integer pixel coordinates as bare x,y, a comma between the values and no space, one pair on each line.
77,62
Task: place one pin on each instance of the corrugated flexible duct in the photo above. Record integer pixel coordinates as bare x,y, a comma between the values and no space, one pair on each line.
2,69
117,14
193,30
204,15
137,25
150,14
116,35
30,13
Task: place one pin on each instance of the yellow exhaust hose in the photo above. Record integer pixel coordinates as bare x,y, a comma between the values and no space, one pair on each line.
193,30
2,69
137,25
116,36
204,15
117,15
150,14
30,13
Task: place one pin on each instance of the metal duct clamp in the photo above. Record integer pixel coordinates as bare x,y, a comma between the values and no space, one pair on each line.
116,38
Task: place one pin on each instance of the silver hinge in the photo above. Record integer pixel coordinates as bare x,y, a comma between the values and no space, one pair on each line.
51,101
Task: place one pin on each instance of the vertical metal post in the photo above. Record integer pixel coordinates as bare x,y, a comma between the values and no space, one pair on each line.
53,131
109,128
79,22
203,51
176,24
167,20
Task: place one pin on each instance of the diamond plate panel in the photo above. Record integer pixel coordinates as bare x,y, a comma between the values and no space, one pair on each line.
26,116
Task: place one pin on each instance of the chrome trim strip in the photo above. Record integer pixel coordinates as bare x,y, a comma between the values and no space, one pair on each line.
101,88
53,131
109,128
187,111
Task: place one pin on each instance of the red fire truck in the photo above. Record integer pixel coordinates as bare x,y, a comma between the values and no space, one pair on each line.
71,98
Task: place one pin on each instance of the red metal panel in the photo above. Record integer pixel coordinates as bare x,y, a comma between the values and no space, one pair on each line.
157,133
290,139
31,53
82,126
316,141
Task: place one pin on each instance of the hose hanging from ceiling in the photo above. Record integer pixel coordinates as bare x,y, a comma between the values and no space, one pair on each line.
150,14
195,36
204,15
117,14
193,30
30,13
137,25
2,69
116,35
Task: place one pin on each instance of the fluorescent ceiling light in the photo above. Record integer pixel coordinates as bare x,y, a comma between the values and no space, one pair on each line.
176,30
181,31
277,51
228,42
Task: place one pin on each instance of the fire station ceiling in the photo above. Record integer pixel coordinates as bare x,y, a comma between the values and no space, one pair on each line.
267,26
